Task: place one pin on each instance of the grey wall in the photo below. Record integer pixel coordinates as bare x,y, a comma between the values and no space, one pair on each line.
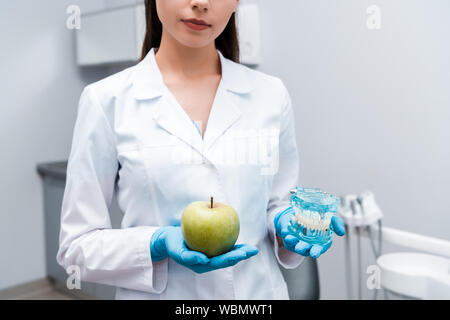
40,87
372,108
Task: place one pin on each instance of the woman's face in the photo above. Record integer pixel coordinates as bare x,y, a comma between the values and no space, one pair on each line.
216,13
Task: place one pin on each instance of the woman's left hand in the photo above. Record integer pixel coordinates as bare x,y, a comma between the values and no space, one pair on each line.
293,244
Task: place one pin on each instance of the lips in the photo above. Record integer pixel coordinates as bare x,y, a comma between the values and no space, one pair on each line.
197,22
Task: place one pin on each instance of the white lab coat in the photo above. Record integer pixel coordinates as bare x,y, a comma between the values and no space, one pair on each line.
133,138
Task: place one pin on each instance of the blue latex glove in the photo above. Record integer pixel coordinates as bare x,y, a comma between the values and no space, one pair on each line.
169,242
290,242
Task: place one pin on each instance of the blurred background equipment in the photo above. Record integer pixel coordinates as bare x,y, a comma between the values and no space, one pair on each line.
406,275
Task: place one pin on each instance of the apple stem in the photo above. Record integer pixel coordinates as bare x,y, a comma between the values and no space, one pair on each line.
211,202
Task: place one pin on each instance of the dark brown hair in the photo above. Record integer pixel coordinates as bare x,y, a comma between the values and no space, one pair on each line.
227,42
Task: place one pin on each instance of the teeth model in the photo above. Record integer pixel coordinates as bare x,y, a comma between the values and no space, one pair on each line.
313,210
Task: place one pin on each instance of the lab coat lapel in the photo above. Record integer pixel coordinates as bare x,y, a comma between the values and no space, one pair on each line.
168,116
148,83
226,109
224,113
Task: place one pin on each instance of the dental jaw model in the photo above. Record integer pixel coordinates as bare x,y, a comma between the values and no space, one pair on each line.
313,210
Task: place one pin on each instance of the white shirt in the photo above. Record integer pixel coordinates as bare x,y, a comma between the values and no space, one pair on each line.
132,137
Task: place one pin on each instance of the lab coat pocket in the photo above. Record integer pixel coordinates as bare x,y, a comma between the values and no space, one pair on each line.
268,146
255,147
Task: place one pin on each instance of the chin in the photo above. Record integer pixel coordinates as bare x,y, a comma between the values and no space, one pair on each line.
195,44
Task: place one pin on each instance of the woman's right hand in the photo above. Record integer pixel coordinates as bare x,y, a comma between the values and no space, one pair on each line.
169,241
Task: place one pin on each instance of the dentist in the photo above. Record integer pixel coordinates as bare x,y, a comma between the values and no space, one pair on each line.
186,123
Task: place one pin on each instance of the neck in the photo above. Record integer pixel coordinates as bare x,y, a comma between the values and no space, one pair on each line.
175,58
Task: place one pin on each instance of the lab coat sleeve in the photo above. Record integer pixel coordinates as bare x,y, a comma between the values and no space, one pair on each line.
117,257
284,180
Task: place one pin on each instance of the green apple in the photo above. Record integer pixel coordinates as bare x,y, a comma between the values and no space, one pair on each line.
210,227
